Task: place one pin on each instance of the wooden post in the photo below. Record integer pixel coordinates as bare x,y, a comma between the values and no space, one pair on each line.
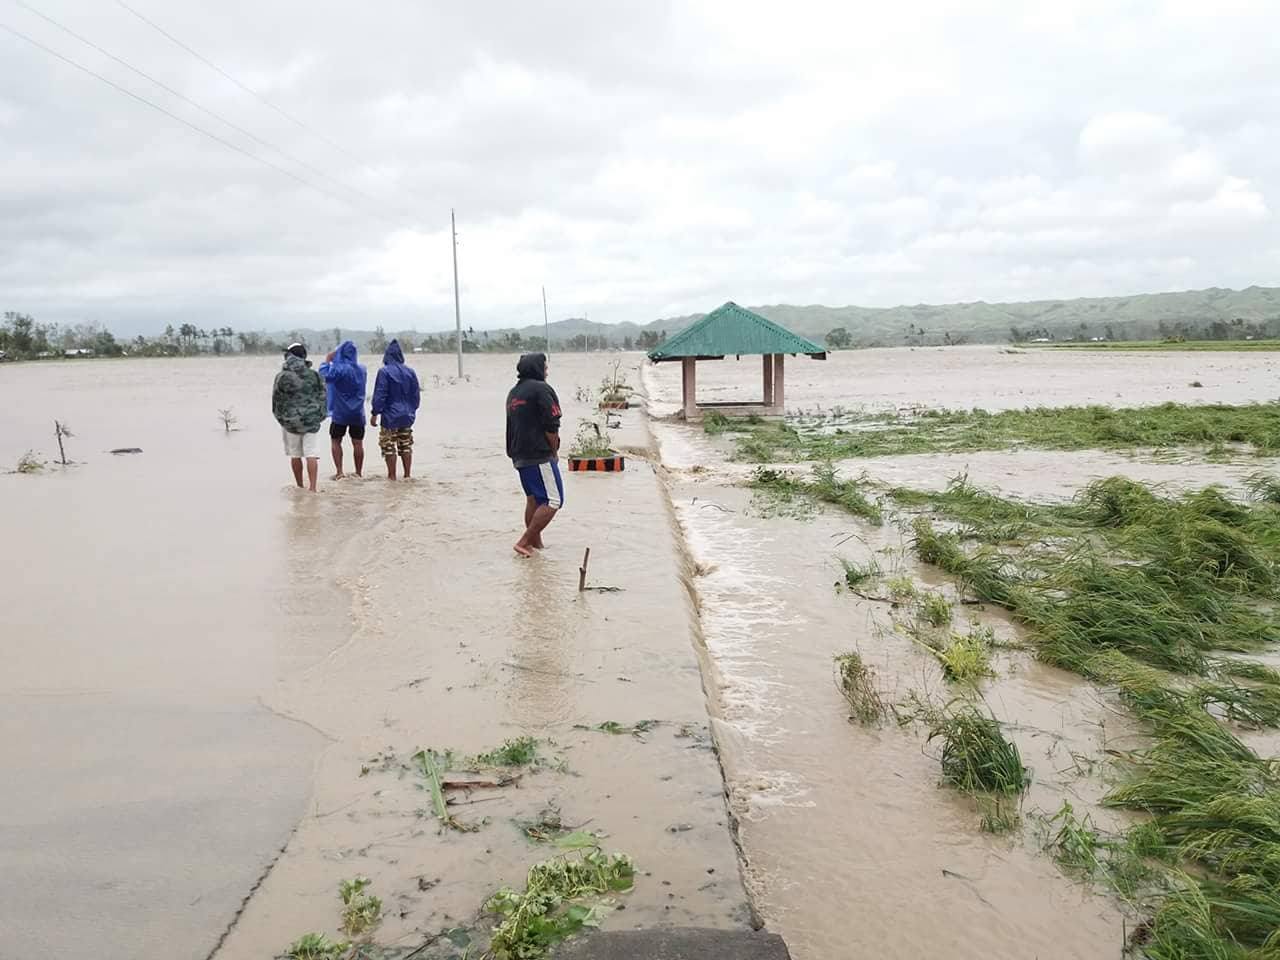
768,379
690,388
582,571
779,378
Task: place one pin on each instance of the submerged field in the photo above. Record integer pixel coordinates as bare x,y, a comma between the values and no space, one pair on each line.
1219,429
963,700
1159,599
1164,345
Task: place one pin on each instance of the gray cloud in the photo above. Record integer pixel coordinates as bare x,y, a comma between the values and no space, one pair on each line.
640,158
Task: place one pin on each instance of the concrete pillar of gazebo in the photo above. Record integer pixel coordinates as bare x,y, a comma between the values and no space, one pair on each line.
779,382
689,387
768,379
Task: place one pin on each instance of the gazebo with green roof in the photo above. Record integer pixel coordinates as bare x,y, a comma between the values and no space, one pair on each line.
732,330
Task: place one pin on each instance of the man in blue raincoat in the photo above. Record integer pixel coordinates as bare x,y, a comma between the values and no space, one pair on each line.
346,381
395,398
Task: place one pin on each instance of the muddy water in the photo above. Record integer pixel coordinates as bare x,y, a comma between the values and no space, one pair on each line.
852,847
202,663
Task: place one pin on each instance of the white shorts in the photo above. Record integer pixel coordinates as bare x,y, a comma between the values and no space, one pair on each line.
299,444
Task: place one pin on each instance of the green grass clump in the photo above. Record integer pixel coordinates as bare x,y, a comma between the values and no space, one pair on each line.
860,574
561,897
784,488
316,946
901,588
361,911
714,422
519,752
853,435
29,463
1263,486
857,684
966,657
934,609
976,756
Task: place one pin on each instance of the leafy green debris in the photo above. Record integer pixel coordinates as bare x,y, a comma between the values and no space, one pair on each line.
317,946
561,897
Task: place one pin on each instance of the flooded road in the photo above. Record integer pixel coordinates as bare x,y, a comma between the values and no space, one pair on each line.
203,661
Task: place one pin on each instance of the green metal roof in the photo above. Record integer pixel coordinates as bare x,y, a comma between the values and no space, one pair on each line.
732,330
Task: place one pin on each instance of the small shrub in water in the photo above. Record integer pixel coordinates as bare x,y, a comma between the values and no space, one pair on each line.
714,422
858,685
976,755
360,911
29,463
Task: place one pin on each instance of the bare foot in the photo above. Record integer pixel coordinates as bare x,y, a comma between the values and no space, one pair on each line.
339,476
521,549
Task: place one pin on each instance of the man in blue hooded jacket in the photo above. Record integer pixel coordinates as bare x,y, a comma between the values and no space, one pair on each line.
395,398
346,381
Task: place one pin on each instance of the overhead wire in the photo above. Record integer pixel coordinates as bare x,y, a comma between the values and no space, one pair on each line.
198,129
203,109
243,86
251,91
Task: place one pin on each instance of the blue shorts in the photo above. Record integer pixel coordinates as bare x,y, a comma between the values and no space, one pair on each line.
542,482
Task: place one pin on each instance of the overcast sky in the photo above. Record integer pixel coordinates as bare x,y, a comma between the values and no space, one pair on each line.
642,159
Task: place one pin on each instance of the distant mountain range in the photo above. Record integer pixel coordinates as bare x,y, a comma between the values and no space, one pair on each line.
1143,316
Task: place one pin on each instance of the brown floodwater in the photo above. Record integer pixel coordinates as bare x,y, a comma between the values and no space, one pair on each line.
852,846
202,661
206,667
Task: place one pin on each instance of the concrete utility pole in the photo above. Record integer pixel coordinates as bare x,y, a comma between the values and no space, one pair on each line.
546,322
457,308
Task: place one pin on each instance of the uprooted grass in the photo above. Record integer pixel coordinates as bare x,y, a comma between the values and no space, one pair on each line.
976,755
846,435
821,486
857,683
1140,591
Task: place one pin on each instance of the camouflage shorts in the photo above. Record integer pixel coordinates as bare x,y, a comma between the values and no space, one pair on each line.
398,440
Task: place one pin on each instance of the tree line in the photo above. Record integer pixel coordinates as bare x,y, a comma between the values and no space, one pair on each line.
22,337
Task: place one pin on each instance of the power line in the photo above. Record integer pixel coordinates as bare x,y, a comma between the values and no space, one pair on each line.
256,95
187,123
203,109
247,89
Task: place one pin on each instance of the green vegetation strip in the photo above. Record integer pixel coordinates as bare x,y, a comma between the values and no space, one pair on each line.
1196,346
1145,593
844,435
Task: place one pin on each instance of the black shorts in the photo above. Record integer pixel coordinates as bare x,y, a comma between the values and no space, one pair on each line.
339,430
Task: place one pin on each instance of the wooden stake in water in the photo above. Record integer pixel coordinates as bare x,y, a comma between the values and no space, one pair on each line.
582,571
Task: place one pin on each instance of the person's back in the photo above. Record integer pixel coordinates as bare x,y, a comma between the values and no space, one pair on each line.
298,403
396,396
346,380
533,444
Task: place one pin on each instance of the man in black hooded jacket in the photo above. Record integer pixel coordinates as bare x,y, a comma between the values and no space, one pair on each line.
533,444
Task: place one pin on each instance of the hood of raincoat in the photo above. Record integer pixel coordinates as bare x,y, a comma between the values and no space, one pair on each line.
532,366
396,394
346,381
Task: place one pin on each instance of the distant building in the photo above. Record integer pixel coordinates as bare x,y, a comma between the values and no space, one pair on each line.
78,352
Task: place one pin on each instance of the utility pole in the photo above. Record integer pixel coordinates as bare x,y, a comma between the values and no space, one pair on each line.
546,322
457,308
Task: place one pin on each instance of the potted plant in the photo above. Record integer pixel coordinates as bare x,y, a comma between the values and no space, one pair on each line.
593,450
